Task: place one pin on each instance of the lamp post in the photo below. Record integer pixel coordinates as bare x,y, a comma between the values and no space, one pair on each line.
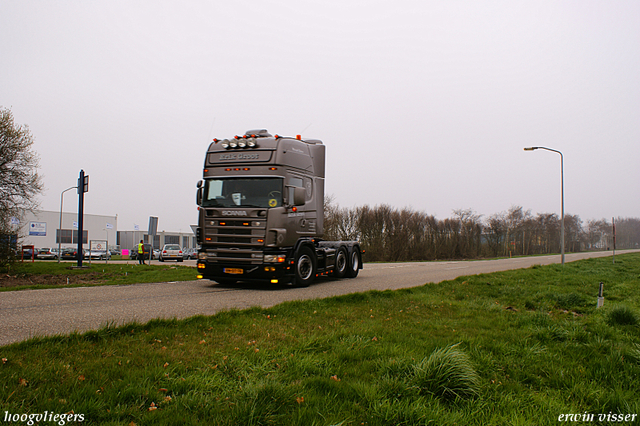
60,227
533,148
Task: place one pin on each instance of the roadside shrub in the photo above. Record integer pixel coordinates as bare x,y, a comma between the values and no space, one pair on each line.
622,315
448,374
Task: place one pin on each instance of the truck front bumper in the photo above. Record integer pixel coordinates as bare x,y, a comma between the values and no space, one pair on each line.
274,273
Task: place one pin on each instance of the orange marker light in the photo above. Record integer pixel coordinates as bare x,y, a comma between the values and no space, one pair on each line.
295,209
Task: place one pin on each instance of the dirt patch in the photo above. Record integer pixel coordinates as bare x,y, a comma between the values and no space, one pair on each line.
92,278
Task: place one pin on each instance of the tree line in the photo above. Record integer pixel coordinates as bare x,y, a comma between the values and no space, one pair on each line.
391,234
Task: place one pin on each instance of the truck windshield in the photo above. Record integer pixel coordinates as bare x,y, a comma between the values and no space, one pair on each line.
243,192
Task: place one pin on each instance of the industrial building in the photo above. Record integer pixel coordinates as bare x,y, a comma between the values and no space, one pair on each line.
47,229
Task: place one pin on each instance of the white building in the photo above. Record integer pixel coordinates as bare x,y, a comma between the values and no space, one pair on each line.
43,228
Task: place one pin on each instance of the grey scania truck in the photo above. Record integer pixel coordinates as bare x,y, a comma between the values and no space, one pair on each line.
261,211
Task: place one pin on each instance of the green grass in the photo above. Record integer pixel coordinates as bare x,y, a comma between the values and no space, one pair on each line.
34,275
512,348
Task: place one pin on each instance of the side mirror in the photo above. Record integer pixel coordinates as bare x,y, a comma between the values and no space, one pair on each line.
299,196
199,193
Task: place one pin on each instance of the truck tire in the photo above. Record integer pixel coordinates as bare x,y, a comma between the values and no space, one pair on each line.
305,267
353,266
342,262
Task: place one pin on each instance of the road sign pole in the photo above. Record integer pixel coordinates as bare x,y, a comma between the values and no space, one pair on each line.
153,229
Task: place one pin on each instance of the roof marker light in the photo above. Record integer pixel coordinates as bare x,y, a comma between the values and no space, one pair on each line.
299,137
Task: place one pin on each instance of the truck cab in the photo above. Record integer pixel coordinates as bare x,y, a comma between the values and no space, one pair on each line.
261,210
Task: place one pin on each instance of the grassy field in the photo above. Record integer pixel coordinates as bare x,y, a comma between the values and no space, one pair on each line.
525,347
51,274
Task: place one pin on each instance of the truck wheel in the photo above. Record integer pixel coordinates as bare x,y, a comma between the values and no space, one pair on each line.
354,263
305,267
341,263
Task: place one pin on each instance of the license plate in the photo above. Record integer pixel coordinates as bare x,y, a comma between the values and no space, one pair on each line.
233,271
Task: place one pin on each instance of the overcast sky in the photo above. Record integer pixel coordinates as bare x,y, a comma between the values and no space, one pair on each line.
421,104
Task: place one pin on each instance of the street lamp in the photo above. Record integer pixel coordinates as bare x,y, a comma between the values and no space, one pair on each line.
60,227
533,148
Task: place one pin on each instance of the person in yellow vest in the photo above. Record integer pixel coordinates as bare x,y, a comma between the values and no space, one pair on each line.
141,253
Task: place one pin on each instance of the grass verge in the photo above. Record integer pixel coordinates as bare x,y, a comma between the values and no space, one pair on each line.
512,348
34,275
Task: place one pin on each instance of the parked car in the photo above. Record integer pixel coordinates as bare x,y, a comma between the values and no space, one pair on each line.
116,252
190,253
46,253
98,254
69,254
171,252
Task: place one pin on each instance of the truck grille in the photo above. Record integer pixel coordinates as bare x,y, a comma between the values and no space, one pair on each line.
235,240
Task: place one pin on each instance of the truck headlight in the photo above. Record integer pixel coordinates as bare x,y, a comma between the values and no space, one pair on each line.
202,255
274,258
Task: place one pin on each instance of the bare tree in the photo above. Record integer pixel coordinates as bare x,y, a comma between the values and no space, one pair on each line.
496,234
628,232
574,235
20,183
470,233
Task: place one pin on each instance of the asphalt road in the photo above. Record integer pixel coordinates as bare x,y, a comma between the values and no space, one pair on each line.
30,313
